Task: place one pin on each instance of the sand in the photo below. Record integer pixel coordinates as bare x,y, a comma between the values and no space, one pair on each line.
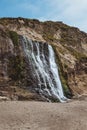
30,115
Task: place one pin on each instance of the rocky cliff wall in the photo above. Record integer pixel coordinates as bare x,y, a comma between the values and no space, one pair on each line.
70,46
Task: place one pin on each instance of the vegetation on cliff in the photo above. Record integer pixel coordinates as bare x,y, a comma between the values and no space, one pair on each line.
14,37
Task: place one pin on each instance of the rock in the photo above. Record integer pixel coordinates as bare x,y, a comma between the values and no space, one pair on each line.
2,98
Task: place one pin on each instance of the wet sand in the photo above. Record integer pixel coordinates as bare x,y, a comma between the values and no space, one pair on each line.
19,115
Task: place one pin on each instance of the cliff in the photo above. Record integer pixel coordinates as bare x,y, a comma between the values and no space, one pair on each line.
69,44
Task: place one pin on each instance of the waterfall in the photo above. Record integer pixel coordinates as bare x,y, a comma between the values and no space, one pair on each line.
43,70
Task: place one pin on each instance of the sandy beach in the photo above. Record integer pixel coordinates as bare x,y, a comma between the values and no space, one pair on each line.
30,115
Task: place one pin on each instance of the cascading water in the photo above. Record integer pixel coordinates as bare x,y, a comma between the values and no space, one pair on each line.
43,69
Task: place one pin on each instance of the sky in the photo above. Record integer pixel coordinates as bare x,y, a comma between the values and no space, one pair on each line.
71,12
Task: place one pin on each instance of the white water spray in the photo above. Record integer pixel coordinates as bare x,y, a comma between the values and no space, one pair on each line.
41,58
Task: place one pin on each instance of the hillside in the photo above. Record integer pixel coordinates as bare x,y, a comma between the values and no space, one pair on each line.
69,44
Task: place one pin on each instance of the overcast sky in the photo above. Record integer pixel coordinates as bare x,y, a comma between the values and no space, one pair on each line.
71,12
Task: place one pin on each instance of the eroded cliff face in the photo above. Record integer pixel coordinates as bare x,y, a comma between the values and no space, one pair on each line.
69,44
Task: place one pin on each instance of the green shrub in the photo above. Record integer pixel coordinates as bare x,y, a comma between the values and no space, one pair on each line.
16,66
14,37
